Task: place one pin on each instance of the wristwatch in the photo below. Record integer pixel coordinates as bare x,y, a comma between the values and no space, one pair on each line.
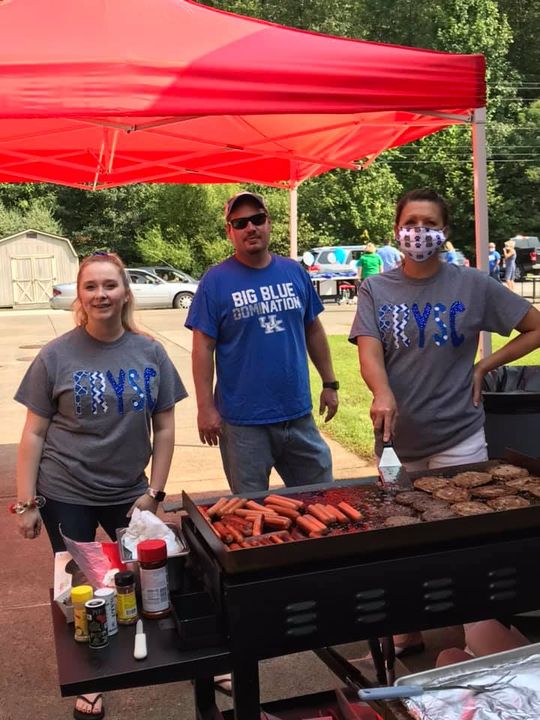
331,385
158,495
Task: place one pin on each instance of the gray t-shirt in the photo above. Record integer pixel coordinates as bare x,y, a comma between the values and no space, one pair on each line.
100,398
429,330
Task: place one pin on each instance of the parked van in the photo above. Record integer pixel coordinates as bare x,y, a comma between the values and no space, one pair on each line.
333,259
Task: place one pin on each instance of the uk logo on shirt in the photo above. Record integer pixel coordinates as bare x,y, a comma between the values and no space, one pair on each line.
271,324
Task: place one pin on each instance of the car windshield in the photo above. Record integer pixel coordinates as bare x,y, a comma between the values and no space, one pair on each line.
143,278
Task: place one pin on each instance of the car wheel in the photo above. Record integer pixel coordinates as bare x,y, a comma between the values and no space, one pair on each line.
183,300
518,277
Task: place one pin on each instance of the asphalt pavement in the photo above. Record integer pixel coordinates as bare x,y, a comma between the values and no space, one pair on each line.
28,678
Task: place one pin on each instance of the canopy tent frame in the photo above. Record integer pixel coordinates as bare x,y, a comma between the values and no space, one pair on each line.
98,94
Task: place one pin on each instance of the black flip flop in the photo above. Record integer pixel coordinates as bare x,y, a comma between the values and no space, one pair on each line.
80,715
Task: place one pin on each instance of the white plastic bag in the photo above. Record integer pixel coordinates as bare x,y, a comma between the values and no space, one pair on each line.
144,525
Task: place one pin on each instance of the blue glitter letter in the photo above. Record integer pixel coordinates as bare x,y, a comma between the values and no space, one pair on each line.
118,388
79,389
138,402
455,308
441,339
97,386
149,373
421,321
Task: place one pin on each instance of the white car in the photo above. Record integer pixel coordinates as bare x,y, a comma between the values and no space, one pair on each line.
148,289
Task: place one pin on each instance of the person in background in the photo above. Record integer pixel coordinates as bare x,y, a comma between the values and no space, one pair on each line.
417,329
255,318
100,402
509,253
390,256
369,263
494,262
451,255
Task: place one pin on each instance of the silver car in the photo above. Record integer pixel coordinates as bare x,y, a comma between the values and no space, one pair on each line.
148,289
167,273
333,259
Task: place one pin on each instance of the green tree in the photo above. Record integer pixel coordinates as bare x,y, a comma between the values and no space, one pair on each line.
519,172
341,204
36,216
107,219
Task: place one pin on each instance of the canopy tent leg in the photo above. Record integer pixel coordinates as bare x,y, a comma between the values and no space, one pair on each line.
293,222
480,205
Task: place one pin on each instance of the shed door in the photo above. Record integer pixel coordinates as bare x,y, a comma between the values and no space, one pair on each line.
32,278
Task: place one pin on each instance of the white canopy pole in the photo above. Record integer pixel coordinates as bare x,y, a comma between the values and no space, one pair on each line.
480,205
293,222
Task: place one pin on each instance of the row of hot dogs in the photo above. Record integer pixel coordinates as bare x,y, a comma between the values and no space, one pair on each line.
242,523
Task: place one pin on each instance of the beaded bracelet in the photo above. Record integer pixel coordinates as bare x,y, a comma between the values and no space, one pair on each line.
19,508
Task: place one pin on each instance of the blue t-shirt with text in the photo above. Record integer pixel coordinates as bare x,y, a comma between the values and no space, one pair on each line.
258,319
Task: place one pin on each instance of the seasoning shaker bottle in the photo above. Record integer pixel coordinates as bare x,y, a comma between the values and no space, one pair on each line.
126,602
79,595
152,556
109,595
96,616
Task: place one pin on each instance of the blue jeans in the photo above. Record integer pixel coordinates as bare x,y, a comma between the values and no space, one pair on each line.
295,448
80,522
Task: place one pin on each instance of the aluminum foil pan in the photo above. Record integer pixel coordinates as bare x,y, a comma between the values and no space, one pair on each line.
508,686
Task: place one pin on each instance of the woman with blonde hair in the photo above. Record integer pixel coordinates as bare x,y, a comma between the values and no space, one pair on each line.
450,251
100,402
509,253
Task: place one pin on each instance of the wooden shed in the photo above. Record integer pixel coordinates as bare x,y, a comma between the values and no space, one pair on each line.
31,262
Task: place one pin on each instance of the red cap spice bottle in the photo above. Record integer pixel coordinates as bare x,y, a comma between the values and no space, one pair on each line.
152,556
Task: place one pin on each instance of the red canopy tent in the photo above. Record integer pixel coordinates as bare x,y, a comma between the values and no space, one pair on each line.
100,93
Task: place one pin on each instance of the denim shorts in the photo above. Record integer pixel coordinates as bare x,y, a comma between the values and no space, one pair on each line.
294,447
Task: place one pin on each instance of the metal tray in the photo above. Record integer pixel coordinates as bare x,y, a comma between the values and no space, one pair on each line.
126,556
175,563
372,544
444,674
487,669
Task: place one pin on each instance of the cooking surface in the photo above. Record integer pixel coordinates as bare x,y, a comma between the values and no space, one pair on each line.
378,505
369,538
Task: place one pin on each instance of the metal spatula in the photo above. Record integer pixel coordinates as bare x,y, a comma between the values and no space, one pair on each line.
391,470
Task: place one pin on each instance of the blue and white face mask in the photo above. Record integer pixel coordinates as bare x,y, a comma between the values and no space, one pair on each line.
420,243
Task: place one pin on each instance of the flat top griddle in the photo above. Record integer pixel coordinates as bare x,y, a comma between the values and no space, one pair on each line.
366,540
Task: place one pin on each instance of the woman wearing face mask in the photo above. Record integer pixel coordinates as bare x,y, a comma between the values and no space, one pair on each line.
417,330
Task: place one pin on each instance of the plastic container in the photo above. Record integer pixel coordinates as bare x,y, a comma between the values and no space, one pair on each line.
79,596
126,601
152,556
511,396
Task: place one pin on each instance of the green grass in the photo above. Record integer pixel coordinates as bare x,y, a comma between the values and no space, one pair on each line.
352,427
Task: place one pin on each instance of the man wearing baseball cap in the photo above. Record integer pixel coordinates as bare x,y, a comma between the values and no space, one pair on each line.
254,318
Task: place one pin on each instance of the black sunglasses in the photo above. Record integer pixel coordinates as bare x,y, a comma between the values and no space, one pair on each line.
242,223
